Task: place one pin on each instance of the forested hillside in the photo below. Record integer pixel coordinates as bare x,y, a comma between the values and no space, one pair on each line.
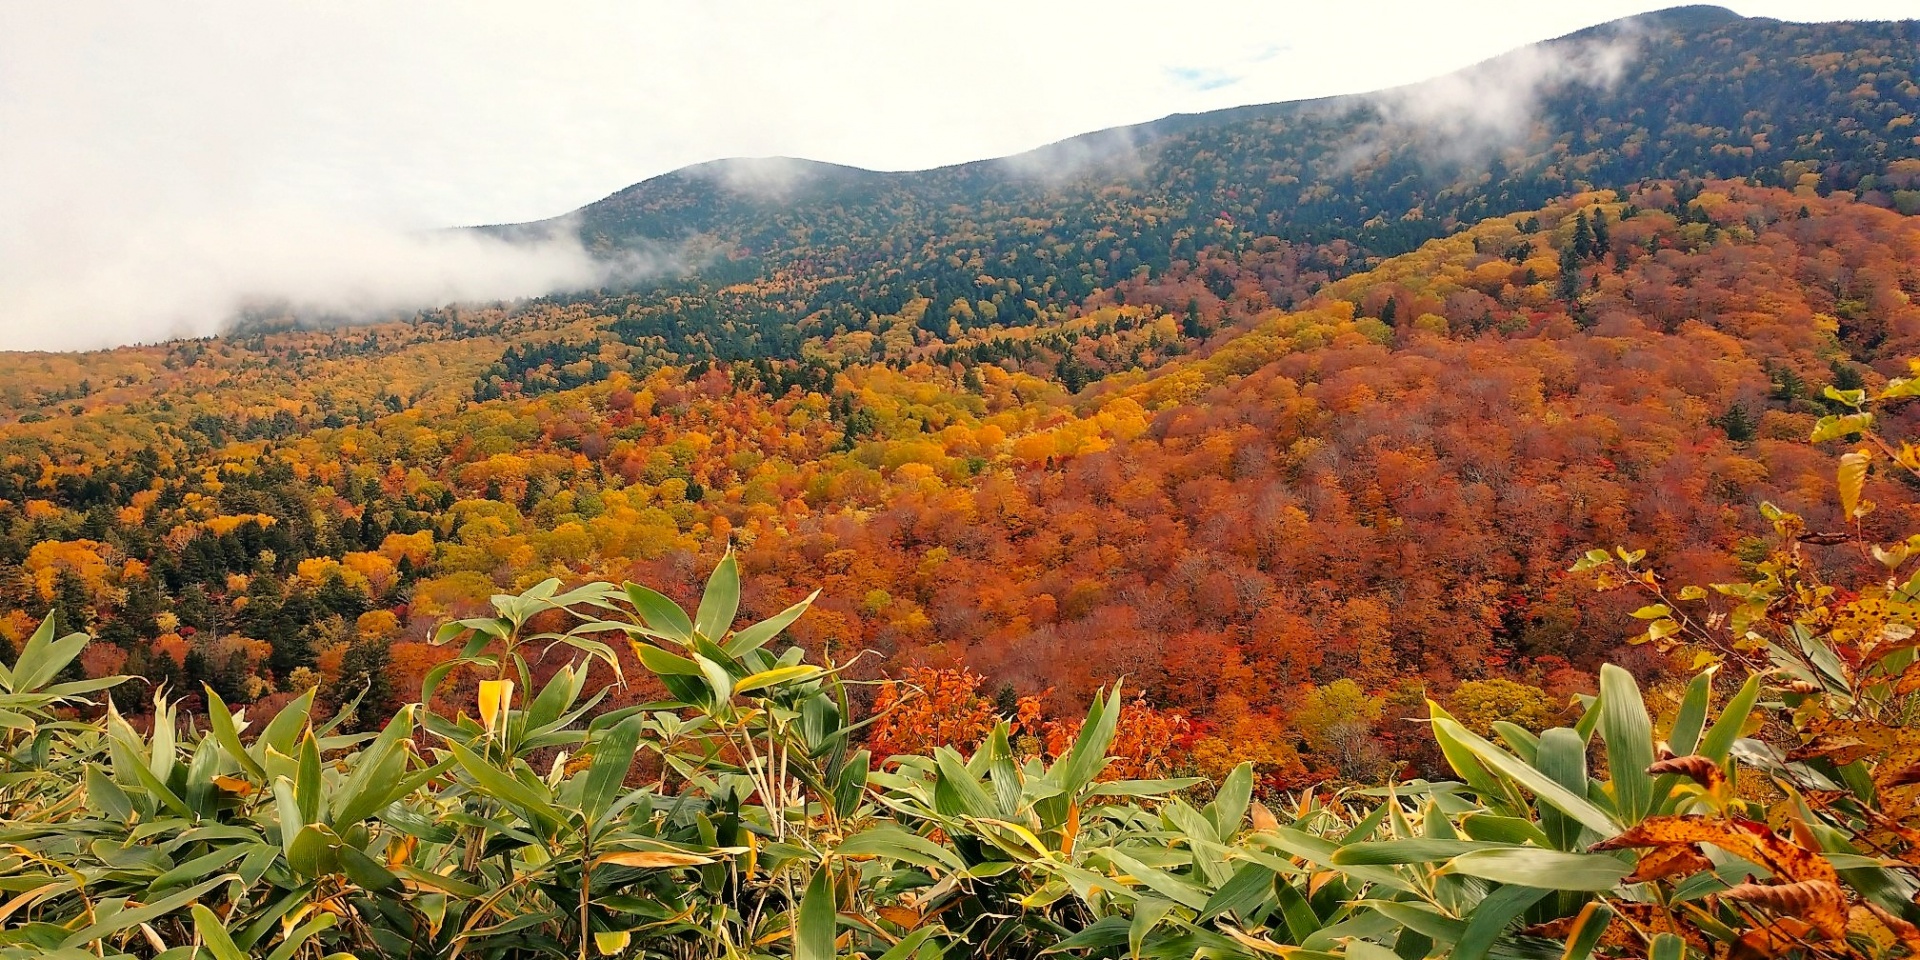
1282,413
783,249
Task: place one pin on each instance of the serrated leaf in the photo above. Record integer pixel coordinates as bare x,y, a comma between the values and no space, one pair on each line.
1852,479
1836,427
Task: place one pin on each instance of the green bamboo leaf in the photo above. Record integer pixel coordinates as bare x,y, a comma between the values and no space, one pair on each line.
814,926
227,732
1358,949
721,600
1667,946
315,852
368,873
1184,892
663,663
659,613
754,637
303,933
1147,914
1097,937
1733,719
214,935
775,677
1250,888
852,783
1587,930
105,797
1563,759
719,681
1691,718
1543,786
378,776
957,792
1491,917
1427,921
129,918
158,790
897,844
307,789
1088,755
287,807
1229,807
909,946
74,688
283,731
42,657
1627,732
1142,788
612,758
1384,852
1300,919
199,867
1461,757
532,800
1518,831
1544,869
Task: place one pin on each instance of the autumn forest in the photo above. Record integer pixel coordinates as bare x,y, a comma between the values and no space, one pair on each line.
1237,477
1289,422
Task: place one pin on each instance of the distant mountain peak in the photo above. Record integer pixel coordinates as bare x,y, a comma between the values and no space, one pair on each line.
1694,16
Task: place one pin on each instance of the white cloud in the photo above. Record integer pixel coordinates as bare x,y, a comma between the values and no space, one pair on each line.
1471,113
165,161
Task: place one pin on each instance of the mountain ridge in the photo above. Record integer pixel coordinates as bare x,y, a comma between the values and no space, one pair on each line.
1687,16
1187,418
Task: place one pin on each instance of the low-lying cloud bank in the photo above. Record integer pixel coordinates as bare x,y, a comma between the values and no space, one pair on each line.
1492,105
96,282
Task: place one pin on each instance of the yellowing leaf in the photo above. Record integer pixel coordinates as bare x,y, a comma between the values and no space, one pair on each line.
234,785
1853,477
496,698
1817,902
650,859
1747,839
905,918
1834,428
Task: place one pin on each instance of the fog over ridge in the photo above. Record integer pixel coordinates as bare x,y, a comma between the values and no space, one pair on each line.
170,166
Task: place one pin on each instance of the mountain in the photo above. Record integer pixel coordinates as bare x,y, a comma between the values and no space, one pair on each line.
1239,405
1689,92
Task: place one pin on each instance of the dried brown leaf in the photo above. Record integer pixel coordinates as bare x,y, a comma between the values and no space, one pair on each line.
909,919
1817,902
1702,770
1263,819
1743,838
1776,938
1679,860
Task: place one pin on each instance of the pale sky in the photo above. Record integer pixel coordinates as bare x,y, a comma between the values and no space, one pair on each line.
162,161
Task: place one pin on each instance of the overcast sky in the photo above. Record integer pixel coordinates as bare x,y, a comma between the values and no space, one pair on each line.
164,161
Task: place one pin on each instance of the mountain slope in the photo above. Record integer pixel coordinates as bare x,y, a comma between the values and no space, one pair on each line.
1234,467
1381,484
1694,92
